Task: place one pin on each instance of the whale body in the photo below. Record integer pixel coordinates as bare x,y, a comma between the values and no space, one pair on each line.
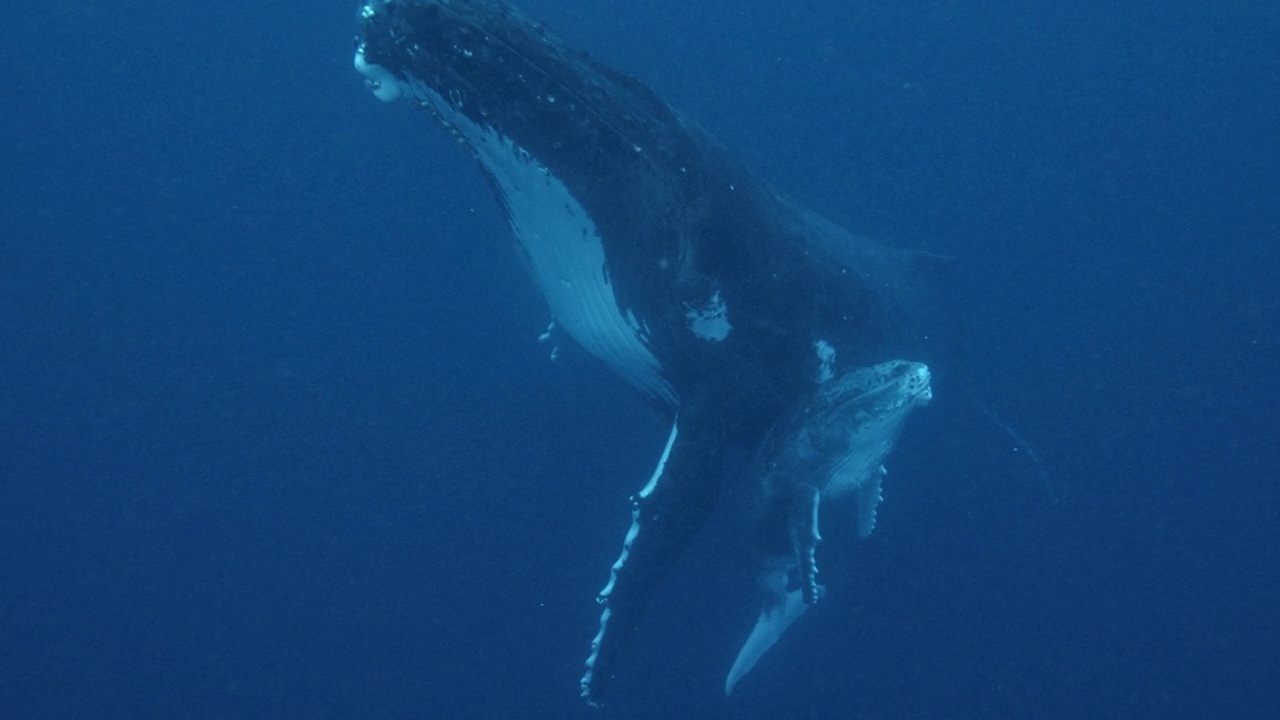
745,320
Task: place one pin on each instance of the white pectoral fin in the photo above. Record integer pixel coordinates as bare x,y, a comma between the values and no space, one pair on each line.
869,497
781,610
803,529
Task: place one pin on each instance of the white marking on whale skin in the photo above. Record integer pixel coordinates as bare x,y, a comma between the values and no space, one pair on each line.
563,246
826,360
640,327
385,86
710,321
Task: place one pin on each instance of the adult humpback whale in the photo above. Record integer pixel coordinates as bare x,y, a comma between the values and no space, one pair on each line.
747,321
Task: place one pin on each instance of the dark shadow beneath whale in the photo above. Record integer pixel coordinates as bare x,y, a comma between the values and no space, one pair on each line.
748,322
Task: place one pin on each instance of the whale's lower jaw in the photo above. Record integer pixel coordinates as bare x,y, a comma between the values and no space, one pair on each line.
556,235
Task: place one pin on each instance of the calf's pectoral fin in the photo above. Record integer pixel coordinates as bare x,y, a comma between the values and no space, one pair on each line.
869,497
803,530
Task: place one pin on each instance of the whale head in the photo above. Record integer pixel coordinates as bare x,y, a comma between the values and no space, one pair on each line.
837,440
562,153
483,63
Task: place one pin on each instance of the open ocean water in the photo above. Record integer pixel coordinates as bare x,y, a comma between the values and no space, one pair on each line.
277,438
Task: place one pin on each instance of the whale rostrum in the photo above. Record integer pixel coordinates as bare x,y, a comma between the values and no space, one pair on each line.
748,322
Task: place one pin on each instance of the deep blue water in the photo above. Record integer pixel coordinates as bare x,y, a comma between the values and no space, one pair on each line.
277,438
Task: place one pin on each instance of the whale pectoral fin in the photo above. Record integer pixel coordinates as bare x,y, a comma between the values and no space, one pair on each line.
665,517
869,497
803,529
781,609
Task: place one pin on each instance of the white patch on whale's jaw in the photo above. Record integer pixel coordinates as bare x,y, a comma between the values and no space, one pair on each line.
384,86
562,244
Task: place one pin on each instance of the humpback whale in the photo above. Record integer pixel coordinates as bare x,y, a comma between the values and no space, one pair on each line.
749,323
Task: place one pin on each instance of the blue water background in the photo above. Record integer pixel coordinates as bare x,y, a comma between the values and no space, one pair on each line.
277,438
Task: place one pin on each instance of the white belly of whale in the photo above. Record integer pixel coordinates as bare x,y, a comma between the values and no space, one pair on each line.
561,243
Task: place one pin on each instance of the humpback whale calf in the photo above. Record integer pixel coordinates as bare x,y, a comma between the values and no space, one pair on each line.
749,323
